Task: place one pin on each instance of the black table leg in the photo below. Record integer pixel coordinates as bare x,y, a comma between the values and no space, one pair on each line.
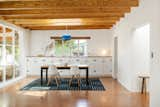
47,75
41,76
87,76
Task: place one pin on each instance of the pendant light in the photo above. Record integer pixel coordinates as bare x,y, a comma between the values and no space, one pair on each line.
66,36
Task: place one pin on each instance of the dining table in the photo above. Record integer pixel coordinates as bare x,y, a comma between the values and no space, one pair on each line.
62,67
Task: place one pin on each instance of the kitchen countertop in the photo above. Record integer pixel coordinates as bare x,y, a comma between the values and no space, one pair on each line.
66,56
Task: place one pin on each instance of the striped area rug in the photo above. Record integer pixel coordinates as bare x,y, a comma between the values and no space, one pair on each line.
94,84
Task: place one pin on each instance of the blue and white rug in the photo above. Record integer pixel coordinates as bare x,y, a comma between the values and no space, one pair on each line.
94,84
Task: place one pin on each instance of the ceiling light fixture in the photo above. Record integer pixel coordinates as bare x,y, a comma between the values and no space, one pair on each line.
66,36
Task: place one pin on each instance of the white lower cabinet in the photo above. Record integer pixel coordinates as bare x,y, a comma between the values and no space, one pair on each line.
98,66
94,66
107,66
33,67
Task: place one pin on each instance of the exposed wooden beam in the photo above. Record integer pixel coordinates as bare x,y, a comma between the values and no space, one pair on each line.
67,24
58,16
70,11
63,21
41,14
69,27
19,0
1,18
72,24
67,3
86,19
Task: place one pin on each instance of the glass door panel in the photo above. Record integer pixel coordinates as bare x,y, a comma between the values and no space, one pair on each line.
17,54
1,52
9,53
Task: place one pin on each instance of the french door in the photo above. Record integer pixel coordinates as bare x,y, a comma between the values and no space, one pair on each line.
9,54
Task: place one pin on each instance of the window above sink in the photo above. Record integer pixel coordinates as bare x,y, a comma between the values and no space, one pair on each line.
71,47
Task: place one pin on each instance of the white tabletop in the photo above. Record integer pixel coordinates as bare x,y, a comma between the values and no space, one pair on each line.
144,75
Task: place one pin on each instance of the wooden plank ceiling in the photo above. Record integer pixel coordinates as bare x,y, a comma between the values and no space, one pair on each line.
65,14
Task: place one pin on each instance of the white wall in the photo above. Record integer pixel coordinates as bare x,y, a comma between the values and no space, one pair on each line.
155,62
128,60
100,40
24,49
26,40
147,13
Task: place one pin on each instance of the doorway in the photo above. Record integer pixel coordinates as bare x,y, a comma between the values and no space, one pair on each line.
140,55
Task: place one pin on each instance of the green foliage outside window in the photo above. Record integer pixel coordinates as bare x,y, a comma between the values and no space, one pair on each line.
70,48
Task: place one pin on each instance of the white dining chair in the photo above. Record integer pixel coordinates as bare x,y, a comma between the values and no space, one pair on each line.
53,73
75,72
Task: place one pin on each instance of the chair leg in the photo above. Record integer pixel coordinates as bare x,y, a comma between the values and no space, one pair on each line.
59,78
78,81
70,81
49,81
59,75
57,81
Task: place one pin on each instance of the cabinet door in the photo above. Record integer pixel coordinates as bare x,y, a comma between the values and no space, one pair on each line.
95,66
42,61
33,67
75,61
107,66
55,61
28,65
99,67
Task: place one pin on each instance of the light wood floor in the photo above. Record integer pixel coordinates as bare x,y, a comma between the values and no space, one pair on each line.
114,96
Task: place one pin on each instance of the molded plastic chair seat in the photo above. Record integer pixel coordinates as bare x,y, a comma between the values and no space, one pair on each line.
75,72
54,73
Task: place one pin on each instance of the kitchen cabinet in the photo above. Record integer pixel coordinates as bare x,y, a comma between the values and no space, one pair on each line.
107,66
95,66
98,66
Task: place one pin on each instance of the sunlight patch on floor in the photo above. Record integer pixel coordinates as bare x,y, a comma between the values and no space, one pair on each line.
34,93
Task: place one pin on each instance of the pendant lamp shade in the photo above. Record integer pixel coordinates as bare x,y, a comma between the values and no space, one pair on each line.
66,37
